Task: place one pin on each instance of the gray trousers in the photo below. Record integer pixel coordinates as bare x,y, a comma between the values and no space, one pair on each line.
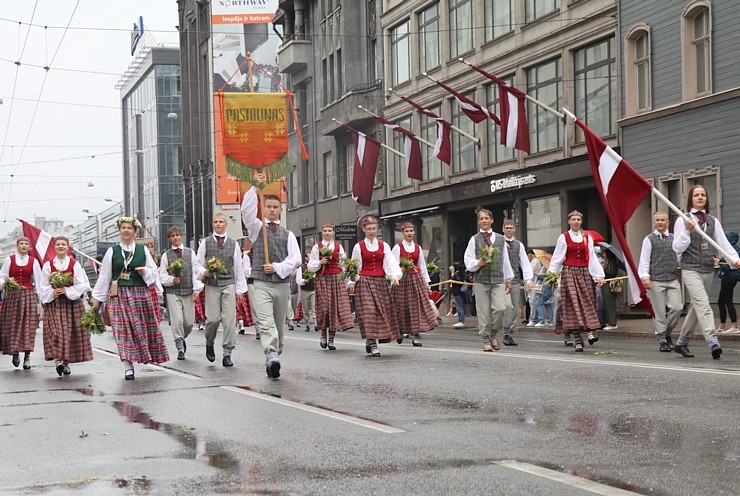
308,299
666,299
700,312
250,288
490,305
293,305
221,307
511,314
182,315
270,303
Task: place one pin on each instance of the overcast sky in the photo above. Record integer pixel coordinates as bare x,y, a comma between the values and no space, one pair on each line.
46,161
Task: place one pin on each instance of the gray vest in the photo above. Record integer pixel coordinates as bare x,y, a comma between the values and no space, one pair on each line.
186,281
663,260
277,246
225,253
486,275
515,261
696,259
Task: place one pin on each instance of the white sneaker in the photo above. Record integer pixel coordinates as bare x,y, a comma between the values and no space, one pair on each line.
530,323
539,324
610,328
449,314
459,325
732,330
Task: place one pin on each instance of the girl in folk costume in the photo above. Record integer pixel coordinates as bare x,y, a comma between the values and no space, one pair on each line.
65,339
574,254
243,308
127,270
19,316
411,296
376,314
333,312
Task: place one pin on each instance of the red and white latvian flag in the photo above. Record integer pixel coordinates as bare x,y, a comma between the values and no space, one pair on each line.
411,148
476,112
622,190
42,243
442,146
367,152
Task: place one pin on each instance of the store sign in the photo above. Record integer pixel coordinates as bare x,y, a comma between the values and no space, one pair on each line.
345,232
512,182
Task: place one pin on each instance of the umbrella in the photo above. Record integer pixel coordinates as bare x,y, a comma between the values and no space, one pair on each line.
543,257
615,251
598,238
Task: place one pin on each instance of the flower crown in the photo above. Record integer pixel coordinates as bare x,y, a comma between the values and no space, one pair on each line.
128,220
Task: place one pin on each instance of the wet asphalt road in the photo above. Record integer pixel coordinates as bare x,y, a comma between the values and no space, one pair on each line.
442,420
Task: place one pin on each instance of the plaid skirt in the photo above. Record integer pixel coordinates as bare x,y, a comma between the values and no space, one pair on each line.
19,319
200,307
244,310
413,310
376,314
64,337
298,315
155,298
333,311
577,309
134,319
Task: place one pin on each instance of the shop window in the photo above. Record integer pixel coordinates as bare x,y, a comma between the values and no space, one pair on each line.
543,221
429,37
696,47
496,151
435,250
596,88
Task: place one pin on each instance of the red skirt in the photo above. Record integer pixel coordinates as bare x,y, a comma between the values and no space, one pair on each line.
244,310
577,308
200,307
376,314
333,310
411,300
298,312
133,317
64,337
19,319
155,298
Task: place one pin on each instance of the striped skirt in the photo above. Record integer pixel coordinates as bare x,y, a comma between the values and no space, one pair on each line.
200,307
155,298
376,314
577,308
413,310
64,337
244,310
19,319
333,311
134,320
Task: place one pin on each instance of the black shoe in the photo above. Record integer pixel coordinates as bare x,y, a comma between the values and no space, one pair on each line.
66,370
290,328
399,340
665,347
60,369
227,362
242,331
257,336
416,342
181,355
716,351
592,338
210,353
509,341
331,346
323,343
27,363
669,340
273,369
16,361
368,348
129,375
308,329
683,350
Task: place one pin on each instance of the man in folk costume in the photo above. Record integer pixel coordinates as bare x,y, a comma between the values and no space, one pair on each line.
486,256
221,287
333,311
522,268
181,291
413,310
308,294
271,291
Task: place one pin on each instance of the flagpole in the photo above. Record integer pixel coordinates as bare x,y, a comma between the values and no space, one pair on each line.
454,128
420,140
531,99
86,256
392,150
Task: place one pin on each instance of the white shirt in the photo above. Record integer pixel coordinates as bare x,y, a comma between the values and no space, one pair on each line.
524,262
390,262
682,237
105,277
471,260
168,280
643,268
561,248
246,265
21,261
79,287
421,264
240,281
314,261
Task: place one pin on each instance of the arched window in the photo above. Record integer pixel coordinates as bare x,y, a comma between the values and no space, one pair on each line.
638,52
696,46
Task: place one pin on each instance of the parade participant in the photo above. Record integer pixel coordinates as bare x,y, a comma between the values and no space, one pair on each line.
200,311
697,268
65,339
271,289
333,312
182,286
19,316
294,301
658,270
414,313
219,261
243,305
308,294
457,292
608,296
574,254
376,314
247,264
728,280
522,269
125,273
487,258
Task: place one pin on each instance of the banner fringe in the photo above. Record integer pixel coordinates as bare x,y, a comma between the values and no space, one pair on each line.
273,172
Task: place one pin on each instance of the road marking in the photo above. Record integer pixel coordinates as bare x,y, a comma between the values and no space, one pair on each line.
570,480
319,411
171,371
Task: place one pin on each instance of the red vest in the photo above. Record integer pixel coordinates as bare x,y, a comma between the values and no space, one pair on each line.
22,275
413,256
372,261
333,266
70,268
577,254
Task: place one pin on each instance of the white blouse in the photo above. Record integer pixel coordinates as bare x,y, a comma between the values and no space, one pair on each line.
80,284
410,246
390,262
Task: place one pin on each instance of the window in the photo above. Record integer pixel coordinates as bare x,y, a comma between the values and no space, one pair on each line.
325,78
340,75
496,151
328,176
709,178
305,183
543,221
429,38
596,88
332,80
348,164
697,50
401,57
637,64
294,188
539,8
499,18
544,83
461,27
432,166
400,173
463,149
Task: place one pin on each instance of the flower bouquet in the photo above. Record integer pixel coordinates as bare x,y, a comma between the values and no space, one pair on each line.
489,255
551,279
92,321
215,265
326,253
407,265
10,284
60,279
433,267
309,276
176,268
351,268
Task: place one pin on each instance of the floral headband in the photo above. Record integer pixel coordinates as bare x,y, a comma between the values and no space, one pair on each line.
128,220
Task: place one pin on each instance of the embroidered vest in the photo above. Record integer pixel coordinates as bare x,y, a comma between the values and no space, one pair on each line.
22,275
372,261
576,254
413,256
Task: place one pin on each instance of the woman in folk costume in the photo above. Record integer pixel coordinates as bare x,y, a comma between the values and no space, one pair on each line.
574,254
333,312
127,271
411,296
243,307
65,339
376,314
19,317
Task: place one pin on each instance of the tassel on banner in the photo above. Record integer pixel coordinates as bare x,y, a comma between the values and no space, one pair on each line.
273,172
